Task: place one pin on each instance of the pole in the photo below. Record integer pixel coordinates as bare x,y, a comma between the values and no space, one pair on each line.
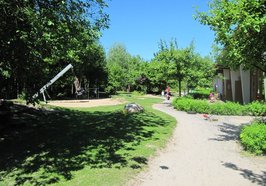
41,91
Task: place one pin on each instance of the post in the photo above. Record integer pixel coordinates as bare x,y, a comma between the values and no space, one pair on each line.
44,98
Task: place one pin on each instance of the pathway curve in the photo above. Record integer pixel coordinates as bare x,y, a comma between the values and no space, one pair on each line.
204,153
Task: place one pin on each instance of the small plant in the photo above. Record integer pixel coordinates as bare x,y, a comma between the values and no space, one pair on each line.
253,138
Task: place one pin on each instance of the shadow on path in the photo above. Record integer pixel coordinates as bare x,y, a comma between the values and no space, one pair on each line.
248,174
228,132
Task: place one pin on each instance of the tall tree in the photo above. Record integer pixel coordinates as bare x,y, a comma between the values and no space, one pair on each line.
118,65
182,65
201,72
173,62
38,38
161,71
135,71
240,30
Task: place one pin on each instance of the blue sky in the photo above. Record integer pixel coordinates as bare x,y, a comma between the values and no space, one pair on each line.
140,24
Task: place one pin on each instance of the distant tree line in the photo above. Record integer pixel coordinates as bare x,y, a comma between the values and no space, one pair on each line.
170,66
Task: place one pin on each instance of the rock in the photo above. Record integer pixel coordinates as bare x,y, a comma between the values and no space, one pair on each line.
133,108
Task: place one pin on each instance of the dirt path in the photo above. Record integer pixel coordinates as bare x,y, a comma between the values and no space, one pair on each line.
203,153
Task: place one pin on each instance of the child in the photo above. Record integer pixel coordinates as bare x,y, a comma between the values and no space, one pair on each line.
167,93
211,97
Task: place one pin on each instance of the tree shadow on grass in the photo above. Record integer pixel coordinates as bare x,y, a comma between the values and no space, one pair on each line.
248,174
43,147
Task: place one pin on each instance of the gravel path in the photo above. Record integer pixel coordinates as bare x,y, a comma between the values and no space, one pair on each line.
203,152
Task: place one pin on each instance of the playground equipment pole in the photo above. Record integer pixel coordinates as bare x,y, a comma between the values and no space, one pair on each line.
43,89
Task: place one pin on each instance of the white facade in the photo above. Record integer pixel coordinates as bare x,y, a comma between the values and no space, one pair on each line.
235,76
218,84
245,82
242,85
226,73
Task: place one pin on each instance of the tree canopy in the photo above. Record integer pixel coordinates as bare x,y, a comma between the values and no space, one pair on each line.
39,38
123,68
172,64
240,30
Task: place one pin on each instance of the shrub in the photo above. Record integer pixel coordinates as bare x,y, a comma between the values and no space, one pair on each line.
137,93
188,96
182,104
228,108
253,138
197,95
256,108
217,108
201,93
187,104
201,106
220,108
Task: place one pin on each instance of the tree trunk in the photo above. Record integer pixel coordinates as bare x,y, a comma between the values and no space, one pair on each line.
179,87
264,81
187,88
88,89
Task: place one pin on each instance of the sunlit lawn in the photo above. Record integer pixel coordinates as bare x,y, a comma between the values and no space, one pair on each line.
94,146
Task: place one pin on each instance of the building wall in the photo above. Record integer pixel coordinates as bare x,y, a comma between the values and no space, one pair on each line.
226,87
245,82
242,86
218,84
235,76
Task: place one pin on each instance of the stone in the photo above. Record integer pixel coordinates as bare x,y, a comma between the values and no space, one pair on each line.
133,108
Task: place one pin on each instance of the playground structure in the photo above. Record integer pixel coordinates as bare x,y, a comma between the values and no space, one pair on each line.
43,89
79,90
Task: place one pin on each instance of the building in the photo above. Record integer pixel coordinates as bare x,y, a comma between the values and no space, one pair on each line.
243,86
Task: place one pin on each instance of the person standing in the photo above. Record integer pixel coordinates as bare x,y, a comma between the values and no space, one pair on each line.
167,90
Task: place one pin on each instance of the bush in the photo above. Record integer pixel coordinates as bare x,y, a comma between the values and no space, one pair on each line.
228,108
200,94
187,104
201,106
182,104
253,138
256,108
137,93
220,108
197,95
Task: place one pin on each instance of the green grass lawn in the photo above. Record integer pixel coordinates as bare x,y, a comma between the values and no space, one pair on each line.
93,146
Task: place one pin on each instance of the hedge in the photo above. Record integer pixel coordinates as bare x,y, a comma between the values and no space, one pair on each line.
220,108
